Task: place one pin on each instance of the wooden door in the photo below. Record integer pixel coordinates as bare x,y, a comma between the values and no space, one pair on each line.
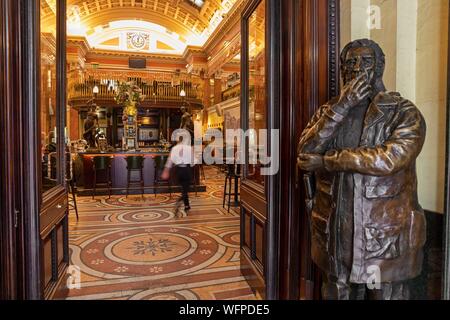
259,246
301,42
317,83
53,226
33,215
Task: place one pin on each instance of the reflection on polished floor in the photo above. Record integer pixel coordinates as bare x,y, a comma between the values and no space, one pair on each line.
134,248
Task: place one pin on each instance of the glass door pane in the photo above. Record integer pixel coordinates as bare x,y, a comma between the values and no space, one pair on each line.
48,111
257,101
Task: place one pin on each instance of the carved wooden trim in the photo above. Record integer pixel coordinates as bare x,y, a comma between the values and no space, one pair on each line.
333,47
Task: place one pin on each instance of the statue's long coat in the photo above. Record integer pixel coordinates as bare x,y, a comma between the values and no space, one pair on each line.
388,222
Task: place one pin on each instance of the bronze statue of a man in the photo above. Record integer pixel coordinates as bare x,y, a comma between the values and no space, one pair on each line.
90,127
186,121
366,222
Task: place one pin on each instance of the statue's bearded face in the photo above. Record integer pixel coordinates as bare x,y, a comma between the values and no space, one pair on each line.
359,61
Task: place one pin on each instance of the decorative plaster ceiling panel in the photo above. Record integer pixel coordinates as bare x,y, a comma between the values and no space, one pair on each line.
194,22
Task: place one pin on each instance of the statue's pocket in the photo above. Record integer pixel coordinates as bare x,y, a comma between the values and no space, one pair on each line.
385,186
382,242
382,190
417,231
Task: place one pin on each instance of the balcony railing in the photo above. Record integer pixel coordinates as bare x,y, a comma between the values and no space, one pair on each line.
157,88
232,92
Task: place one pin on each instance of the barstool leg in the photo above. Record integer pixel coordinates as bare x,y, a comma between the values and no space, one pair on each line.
109,182
155,188
225,191
72,187
95,185
142,183
128,182
195,185
229,192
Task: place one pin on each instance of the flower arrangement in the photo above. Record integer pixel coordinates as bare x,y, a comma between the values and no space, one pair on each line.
129,95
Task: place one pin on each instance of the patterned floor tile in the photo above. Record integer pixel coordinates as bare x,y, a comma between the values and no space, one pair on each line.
135,248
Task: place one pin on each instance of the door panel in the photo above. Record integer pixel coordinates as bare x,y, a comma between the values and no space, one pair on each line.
259,241
254,117
52,123
47,260
29,188
60,243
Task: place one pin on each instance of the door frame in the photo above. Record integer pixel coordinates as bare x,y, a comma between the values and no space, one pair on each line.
273,232
302,39
21,200
272,51
446,227
19,152
31,149
9,94
309,64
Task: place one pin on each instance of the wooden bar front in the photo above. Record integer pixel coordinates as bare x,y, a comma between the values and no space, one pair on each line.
119,174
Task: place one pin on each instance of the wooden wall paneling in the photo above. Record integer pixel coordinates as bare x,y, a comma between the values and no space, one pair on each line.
246,235
309,78
301,50
291,49
320,83
47,257
10,97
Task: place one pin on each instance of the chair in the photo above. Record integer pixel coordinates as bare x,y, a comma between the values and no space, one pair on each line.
72,197
232,175
102,164
135,163
160,162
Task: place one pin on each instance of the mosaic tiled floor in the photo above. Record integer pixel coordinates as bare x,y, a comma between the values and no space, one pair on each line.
136,248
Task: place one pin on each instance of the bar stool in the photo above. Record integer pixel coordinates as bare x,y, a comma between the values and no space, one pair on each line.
196,172
160,162
135,163
71,183
232,175
102,164
202,171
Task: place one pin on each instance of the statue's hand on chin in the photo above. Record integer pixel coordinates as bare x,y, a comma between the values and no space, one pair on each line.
355,92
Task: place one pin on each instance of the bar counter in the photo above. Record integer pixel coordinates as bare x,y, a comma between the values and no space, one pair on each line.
119,173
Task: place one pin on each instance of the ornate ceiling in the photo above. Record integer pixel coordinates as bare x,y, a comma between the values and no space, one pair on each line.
193,21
